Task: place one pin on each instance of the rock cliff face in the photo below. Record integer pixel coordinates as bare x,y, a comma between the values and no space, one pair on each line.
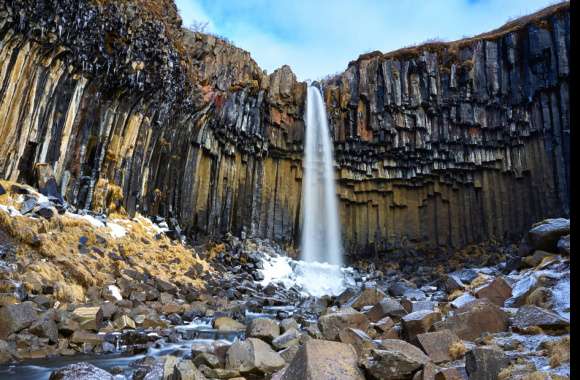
439,145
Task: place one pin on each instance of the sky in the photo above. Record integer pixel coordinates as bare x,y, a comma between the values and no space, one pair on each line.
319,37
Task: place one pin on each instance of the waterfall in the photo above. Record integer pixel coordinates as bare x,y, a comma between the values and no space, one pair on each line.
321,240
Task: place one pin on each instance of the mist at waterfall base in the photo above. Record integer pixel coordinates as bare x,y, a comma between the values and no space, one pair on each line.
320,270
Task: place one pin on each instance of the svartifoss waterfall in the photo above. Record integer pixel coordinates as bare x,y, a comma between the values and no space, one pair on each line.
321,241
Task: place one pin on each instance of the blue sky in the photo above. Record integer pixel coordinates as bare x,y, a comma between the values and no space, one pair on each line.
320,37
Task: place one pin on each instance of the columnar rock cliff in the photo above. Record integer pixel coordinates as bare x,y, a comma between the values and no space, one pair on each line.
443,144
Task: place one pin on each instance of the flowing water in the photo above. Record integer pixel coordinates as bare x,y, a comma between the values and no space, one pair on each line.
321,240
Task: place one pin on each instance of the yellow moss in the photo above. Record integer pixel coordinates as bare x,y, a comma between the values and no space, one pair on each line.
457,350
49,253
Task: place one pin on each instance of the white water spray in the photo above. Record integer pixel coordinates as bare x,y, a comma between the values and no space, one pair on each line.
321,240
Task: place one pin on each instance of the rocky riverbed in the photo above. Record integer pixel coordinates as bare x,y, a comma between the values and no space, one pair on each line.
86,296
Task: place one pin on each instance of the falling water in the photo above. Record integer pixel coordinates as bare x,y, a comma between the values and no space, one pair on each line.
321,240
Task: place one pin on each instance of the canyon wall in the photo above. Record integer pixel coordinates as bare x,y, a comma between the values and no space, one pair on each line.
443,144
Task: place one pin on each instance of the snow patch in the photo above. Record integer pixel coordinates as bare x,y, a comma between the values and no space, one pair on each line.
312,278
115,292
116,230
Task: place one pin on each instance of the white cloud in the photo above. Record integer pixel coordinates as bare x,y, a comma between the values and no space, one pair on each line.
320,37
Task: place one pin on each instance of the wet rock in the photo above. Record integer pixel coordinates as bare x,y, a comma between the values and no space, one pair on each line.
289,338
253,355
436,344
395,359
322,359
186,370
219,373
564,245
419,322
263,328
485,363
331,324
80,371
45,326
497,291
89,318
529,315
228,324
387,307
369,296
474,319
14,318
361,342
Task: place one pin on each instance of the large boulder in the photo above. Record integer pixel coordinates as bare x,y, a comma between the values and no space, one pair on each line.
474,319
45,326
331,324
89,318
186,370
545,236
253,356
497,291
228,324
369,296
485,363
419,322
263,328
529,316
361,342
387,307
395,360
323,359
437,344
14,318
80,371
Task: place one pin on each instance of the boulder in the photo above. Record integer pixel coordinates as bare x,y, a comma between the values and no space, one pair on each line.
361,342
323,359
289,338
387,307
263,328
206,358
451,373
474,319
529,315
395,359
462,300
186,370
253,356
80,371
369,296
564,245
14,318
419,322
82,337
436,344
485,363
89,318
497,291
45,326
331,324
535,259
6,352
289,323
545,236
228,324
413,306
